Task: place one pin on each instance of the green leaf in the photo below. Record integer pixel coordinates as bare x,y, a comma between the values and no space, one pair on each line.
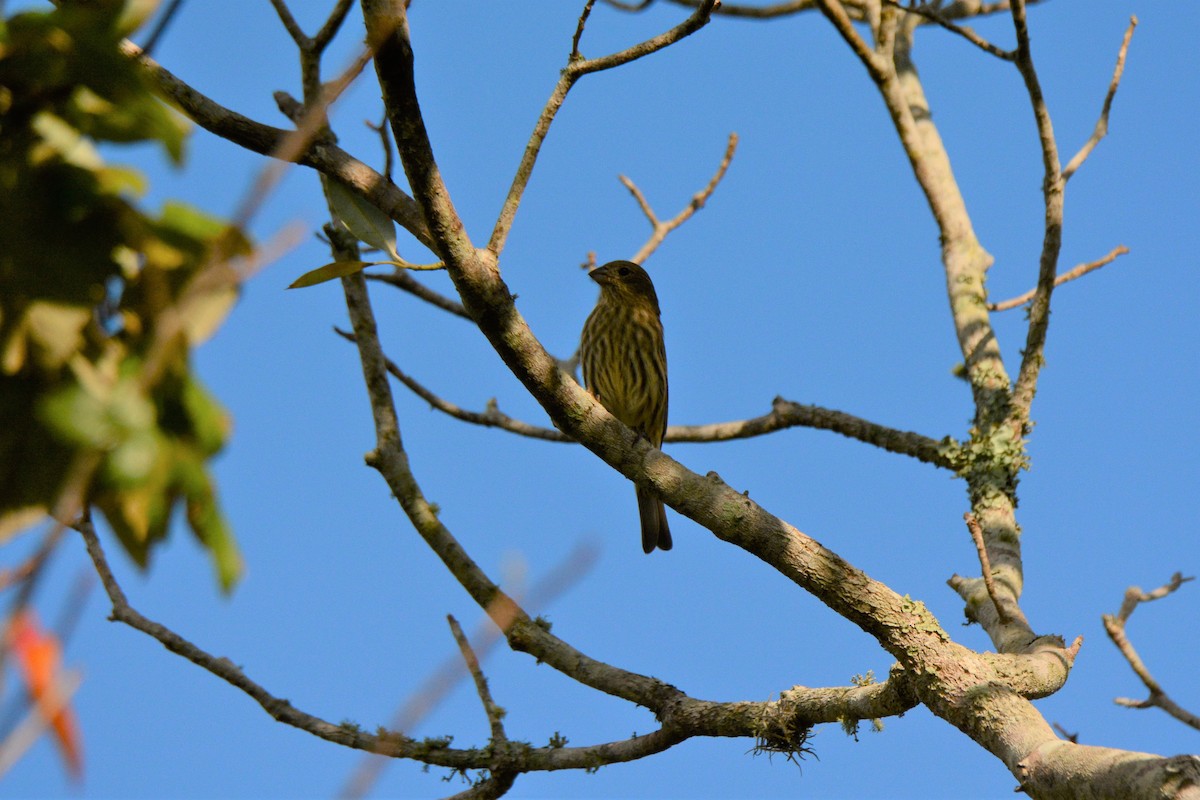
364,220
336,269
209,421
207,522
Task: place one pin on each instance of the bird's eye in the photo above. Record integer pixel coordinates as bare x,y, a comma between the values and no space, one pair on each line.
623,272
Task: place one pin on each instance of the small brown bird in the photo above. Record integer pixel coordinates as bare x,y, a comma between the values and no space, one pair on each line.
624,363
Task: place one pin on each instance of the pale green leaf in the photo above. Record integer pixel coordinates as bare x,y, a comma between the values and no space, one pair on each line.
364,220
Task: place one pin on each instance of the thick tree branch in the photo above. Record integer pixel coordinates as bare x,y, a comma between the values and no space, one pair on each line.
989,460
903,627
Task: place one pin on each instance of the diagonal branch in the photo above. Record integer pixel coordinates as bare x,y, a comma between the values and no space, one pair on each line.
490,709
401,279
1101,129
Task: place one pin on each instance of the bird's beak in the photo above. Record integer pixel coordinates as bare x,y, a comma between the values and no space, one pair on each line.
598,274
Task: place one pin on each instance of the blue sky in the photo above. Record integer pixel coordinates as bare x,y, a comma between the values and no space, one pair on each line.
812,273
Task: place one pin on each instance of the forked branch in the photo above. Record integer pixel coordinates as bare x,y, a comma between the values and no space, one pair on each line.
577,67
660,229
1114,625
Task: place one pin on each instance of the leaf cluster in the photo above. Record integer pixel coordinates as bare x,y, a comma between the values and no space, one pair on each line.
101,301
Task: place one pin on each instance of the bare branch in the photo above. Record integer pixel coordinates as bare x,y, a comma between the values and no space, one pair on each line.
323,156
385,143
402,280
1052,190
1114,625
1101,129
576,68
518,757
1076,272
985,564
661,229
787,414
332,25
835,12
446,675
494,713
933,15
1073,738
784,414
772,11
289,23
493,417
160,27
583,18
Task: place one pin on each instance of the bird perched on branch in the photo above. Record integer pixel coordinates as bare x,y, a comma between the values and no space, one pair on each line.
624,363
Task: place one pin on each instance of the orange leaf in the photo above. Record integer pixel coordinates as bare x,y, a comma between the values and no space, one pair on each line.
40,658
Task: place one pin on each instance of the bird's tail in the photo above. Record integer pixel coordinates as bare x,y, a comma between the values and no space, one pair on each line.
653,514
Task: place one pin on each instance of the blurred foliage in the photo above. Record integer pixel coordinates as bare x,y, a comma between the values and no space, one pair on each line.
100,301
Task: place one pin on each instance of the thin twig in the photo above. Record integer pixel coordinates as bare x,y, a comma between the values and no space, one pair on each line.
494,713
332,25
1101,129
308,129
290,25
877,66
385,141
662,229
160,27
495,785
621,5
1076,272
1114,625
434,689
402,280
933,15
583,18
1063,732
576,68
985,564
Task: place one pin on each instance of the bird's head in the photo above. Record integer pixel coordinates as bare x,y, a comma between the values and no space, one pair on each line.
626,282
